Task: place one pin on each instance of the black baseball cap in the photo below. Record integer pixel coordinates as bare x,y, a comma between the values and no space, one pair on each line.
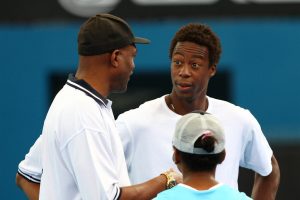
104,33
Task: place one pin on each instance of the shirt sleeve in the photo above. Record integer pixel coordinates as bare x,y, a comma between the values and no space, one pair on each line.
126,138
31,167
258,152
89,157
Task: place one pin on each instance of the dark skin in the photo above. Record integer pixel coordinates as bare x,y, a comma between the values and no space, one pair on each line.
265,187
200,180
191,72
108,73
31,189
152,187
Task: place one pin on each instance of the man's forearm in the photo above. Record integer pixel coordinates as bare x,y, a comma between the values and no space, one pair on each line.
148,190
144,191
265,187
29,188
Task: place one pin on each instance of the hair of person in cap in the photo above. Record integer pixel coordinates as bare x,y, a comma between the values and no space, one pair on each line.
206,159
200,34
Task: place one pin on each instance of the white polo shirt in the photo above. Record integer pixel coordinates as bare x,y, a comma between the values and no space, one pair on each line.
82,154
31,167
147,132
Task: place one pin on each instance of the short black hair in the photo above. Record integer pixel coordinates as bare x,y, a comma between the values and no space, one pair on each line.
200,34
196,162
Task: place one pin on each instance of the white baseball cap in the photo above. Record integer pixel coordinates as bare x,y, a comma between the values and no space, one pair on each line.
192,126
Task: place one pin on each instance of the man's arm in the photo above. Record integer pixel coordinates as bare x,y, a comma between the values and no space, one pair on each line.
149,189
265,187
143,191
30,171
31,189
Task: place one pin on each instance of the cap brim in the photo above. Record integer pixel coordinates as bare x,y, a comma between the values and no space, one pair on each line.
139,40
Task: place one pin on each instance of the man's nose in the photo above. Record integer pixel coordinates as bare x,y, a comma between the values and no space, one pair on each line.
185,71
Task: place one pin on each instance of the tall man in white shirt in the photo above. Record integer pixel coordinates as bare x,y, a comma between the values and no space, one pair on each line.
147,131
81,152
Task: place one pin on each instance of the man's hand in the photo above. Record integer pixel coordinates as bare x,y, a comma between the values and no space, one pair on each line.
177,176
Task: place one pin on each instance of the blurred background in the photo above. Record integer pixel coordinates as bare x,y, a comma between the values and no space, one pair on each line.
259,68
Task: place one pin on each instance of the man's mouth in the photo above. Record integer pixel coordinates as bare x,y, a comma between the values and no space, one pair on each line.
184,86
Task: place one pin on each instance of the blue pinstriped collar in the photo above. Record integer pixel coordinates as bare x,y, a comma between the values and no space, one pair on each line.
80,84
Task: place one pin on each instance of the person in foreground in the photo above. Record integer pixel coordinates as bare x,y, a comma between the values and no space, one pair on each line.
80,152
199,146
146,131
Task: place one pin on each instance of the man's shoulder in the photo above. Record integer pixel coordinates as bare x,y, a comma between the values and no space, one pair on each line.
228,110
231,193
177,192
70,98
219,104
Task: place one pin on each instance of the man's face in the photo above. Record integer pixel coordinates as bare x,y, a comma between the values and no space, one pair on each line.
126,66
190,70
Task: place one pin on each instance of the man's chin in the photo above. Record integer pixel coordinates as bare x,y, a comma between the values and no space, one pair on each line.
185,95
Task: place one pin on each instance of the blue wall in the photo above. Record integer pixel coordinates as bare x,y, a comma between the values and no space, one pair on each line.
261,54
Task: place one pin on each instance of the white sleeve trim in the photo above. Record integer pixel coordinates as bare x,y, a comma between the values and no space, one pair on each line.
30,177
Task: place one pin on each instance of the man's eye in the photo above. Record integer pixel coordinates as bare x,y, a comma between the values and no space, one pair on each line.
195,65
177,62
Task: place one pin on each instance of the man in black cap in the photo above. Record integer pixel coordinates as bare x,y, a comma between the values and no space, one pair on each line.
81,152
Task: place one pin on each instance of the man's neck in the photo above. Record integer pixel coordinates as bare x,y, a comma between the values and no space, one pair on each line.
183,106
99,84
94,71
200,180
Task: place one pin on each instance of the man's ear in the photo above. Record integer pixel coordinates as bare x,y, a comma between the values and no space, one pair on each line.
176,156
222,158
114,57
213,70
